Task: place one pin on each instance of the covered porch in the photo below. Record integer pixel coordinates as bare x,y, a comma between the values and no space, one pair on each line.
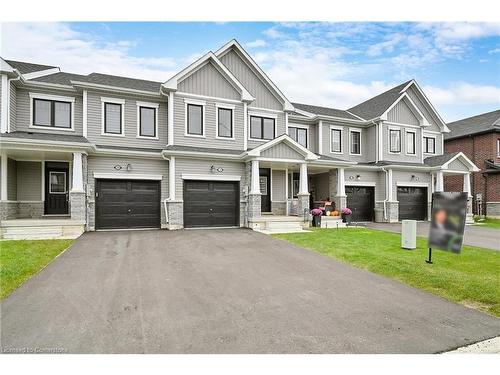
42,192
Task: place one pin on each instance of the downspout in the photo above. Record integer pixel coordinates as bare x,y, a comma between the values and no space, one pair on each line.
386,194
8,97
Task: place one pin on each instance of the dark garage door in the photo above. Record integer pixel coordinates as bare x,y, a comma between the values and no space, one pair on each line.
127,204
412,203
361,200
211,204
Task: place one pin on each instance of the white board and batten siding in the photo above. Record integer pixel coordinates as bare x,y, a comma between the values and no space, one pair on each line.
418,100
402,114
281,151
94,121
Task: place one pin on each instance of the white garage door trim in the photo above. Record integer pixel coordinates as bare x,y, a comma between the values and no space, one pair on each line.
127,176
210,177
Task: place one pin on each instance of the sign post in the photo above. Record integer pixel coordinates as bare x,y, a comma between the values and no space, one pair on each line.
448,222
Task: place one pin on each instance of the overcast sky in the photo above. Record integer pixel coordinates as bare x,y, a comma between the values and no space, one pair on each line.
330,64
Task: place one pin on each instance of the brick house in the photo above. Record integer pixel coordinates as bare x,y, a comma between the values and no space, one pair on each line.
478,137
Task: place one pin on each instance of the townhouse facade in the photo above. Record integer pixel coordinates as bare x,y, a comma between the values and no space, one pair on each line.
217,145
478,137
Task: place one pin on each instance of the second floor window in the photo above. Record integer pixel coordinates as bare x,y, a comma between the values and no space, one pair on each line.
225,122
336,140
261,127
113,118
429,145
195,119
147,122
410,143
299,135
355,142
51,113
395,140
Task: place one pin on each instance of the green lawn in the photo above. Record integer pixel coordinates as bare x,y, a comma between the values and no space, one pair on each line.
490,223
20,260
471,278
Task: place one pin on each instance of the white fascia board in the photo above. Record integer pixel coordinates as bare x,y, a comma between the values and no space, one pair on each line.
202,155
37,144
41,73
115,88
305,113
464,159
210,177
287,106
413,82
173,82
285,138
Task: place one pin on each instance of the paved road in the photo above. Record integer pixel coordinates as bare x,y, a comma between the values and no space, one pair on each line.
475,235
224,291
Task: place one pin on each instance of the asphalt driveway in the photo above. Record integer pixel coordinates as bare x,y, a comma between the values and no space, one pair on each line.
475,235
224,291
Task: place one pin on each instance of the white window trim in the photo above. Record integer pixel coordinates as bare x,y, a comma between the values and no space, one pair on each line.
105,100
224,106
414,132
424,144
300,127
265,115
498,148
69,99
341,139
128,176
396,128
360,131
202,103
156,106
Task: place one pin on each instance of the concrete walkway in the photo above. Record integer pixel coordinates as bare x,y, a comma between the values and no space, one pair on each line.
224,291
475,235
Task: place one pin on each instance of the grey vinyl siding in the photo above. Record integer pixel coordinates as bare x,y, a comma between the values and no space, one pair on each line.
210,126
312,134
23,108
208,81
457,165
417,158
420,103
29,181
104,164
264,98
202,167
94,121
402,114
278,185
380,180
13,107
370,145
1,96
402,177
11,180
280,127
367,153
281,151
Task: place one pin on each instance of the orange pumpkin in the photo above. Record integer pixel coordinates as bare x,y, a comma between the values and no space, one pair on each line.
335,213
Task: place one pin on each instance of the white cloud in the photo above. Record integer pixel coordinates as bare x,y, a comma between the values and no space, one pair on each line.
58,44
256,43
463,93
493,51
274,33
385,46
462,30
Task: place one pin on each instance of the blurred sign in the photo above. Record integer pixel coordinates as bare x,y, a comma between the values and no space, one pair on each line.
448,221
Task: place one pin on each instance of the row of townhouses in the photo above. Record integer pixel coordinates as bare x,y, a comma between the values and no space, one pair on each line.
217,145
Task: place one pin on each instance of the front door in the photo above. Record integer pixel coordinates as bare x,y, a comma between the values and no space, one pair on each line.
56,188
265,189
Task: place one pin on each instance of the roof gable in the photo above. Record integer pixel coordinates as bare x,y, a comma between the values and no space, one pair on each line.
285,140
172,83
233,45
450,162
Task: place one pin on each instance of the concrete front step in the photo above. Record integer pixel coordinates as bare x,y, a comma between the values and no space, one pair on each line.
29,229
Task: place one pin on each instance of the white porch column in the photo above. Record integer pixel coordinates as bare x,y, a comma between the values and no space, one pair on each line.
340,182
77,177
439,181
467,184
3,187
255,185
303,190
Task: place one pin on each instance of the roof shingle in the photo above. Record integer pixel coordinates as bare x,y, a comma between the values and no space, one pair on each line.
25,67
325,111
475,124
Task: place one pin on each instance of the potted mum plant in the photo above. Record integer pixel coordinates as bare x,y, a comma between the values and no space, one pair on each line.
346,215
316,214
